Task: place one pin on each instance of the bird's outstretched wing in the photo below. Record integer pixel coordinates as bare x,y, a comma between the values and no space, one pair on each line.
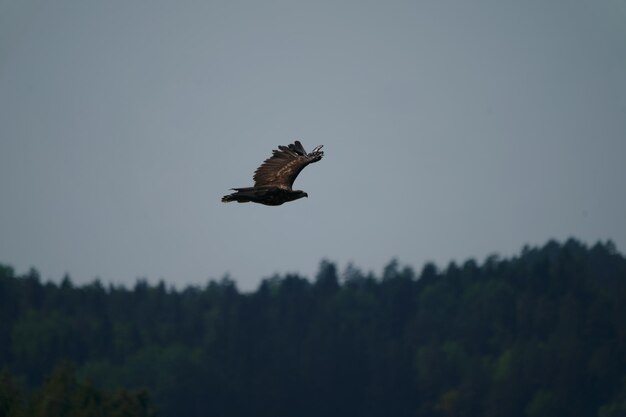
282,168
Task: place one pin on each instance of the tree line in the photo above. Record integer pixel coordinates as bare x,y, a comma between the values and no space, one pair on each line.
538,334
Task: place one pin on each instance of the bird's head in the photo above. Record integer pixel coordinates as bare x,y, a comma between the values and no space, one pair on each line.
301,194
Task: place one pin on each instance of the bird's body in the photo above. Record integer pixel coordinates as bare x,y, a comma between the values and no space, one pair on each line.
273,180
270,196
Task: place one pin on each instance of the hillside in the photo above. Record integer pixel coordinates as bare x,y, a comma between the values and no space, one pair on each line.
539,334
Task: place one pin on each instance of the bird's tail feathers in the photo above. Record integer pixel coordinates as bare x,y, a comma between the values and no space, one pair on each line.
242,195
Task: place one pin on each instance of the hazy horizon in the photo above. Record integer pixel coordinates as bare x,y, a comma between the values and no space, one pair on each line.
344,269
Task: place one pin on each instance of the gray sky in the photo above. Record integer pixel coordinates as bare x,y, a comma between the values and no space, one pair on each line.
452,129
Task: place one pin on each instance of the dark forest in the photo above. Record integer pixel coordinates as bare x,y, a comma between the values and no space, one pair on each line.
542,333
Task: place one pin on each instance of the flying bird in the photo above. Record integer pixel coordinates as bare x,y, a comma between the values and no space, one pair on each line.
274,178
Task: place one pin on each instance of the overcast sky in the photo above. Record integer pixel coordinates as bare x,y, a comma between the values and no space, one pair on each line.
452,129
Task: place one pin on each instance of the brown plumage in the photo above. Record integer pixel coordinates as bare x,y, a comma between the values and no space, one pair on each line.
274,178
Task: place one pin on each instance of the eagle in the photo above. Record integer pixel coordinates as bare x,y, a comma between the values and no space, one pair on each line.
274,178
